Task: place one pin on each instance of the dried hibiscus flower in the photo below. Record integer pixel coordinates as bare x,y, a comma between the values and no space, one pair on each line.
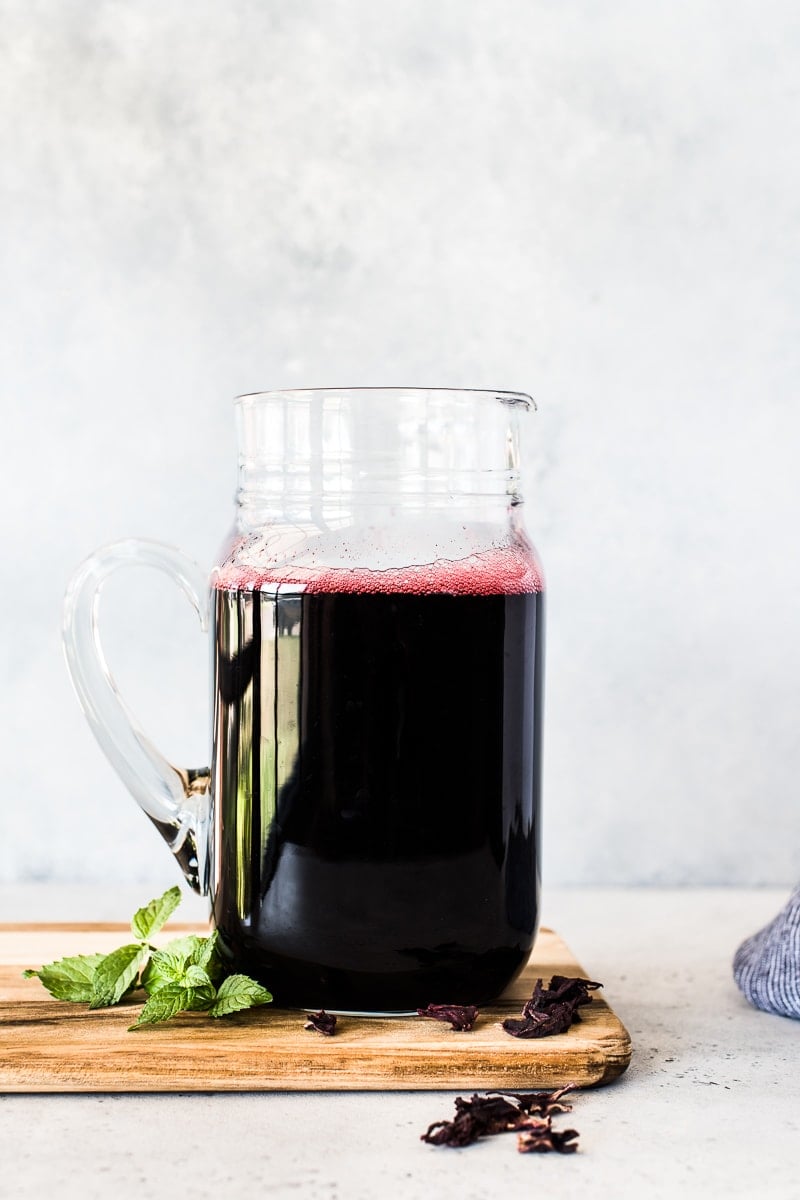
323,1022
552,1009
461,1016
480,1116
484,1116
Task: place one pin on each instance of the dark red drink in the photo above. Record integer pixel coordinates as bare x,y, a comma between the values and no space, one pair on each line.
376,782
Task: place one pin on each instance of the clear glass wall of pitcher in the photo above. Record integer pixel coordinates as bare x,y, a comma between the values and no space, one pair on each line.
369,827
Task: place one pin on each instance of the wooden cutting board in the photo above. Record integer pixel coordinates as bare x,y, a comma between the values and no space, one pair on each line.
48,1045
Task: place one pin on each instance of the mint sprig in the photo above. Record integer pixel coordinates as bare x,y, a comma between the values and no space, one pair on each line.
186,975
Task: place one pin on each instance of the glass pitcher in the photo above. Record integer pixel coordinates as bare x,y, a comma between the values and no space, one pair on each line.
368,831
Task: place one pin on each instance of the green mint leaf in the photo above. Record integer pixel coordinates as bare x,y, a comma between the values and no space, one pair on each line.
184,948
163,1004
201,989
206,954
195,976
169,964
69,978
162,969
115,974
238,992
165,968
148,920
195,994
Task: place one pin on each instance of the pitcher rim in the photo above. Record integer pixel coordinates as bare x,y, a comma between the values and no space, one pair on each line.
522,399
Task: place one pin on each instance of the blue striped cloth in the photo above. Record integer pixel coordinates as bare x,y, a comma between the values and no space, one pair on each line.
767,965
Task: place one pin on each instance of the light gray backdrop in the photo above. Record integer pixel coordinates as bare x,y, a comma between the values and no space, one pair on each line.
595,202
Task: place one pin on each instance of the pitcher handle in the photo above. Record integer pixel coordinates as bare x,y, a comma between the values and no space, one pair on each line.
176,799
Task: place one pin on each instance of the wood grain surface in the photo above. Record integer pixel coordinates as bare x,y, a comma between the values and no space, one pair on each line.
48,1045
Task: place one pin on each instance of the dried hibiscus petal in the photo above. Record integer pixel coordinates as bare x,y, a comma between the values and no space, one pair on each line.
540,1024
542,1140
460,1132
563,989
553,1009
544,1104
322,1021
462,1017
492,1114
477,1117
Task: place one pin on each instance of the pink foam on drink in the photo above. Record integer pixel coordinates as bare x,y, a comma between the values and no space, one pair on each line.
513,570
